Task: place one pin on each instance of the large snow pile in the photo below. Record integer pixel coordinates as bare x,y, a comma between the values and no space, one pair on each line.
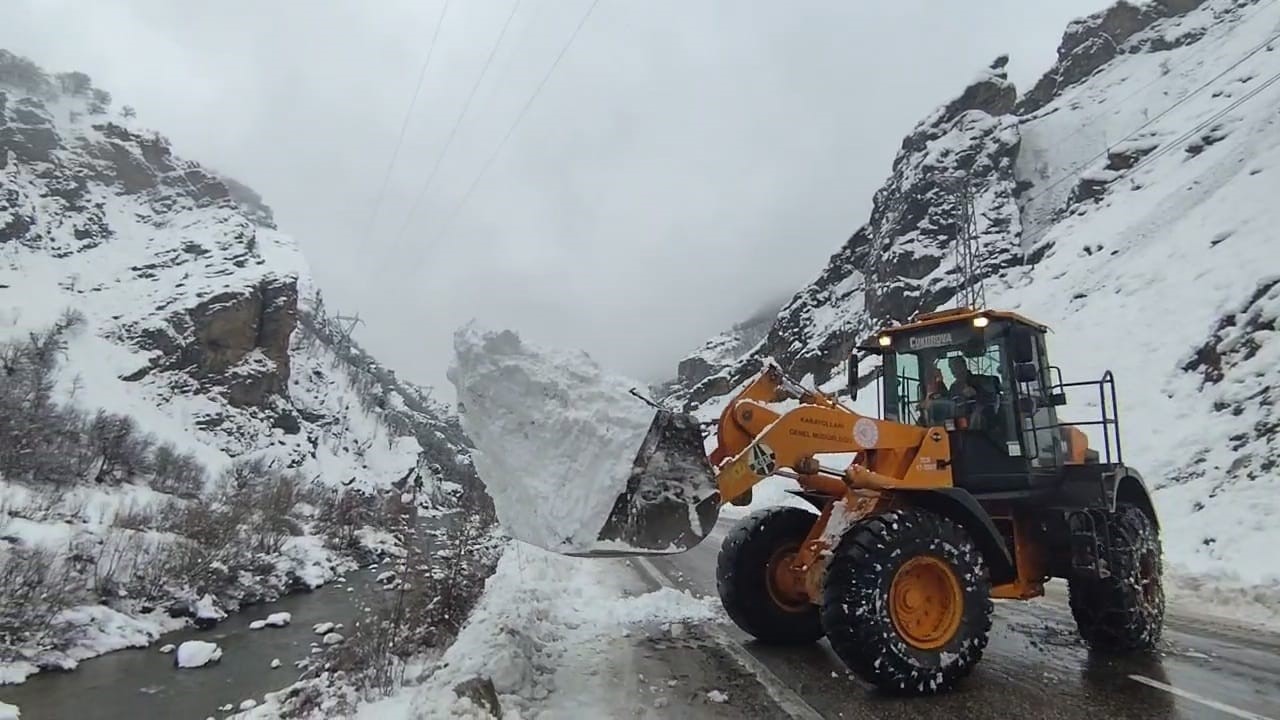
1146,176
544,631
557,439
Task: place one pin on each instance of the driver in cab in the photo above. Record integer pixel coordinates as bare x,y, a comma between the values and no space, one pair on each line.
966,392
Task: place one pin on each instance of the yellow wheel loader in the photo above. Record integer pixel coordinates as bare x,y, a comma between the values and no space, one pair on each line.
966,488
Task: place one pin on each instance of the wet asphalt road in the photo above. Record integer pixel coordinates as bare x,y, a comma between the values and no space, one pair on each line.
1035,665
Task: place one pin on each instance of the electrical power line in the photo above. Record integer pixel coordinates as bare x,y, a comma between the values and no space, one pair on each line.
1167,70
511,130
466,105
1202,125
1177,142
408,114
1074,171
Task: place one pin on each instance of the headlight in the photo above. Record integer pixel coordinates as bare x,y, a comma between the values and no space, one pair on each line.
885,341
981,321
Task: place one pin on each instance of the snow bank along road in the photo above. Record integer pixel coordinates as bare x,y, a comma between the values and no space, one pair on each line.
1035,666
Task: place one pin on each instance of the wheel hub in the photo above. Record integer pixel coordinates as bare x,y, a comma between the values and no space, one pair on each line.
926,602
786,587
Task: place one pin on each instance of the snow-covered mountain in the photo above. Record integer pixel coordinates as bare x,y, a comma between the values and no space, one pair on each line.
202,321
165,355
1128,200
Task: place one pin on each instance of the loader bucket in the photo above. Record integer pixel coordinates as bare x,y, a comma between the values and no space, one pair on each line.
671,502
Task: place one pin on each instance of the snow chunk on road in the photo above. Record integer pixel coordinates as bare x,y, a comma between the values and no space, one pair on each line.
547,622
556,437
197,653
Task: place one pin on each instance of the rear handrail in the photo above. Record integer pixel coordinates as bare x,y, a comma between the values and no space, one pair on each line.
1109,420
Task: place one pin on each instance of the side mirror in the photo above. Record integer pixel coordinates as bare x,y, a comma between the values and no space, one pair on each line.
852,379
1058,399
1026,372
1022,345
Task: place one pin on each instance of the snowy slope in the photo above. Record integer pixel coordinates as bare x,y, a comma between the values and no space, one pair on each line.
191,299
1146,175
1138,279
199,321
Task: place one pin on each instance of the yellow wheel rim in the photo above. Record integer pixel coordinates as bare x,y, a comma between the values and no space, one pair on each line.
926,602
786,590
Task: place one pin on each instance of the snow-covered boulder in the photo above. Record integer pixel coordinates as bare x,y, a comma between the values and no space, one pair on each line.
279,619
166,649
323,628
9,712
208,613
197,653
257,624
332,638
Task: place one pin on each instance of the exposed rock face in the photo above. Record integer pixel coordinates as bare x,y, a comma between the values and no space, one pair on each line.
26,130
1093,41
250,202
724,349
1236,373
901,261
241,340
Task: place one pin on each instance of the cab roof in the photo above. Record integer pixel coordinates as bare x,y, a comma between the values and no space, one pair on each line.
953,315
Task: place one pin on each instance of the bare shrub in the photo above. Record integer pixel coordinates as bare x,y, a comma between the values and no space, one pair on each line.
210,540
115,560
35,585
136,516
175,472
341,513
124,452
439,581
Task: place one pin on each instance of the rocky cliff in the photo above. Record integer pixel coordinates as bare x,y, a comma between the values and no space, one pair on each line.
201,317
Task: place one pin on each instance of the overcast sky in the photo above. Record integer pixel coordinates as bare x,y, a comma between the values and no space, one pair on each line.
686,162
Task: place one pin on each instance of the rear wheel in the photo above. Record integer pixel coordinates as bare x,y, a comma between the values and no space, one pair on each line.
1124,612
753,579
906,602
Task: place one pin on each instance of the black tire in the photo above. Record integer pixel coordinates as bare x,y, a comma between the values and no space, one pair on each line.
1123,613
859,598
742,577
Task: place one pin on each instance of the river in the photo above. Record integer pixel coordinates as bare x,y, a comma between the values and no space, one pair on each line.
143,683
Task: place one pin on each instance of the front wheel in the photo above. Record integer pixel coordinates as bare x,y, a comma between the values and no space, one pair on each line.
1124,612
906,602
752,577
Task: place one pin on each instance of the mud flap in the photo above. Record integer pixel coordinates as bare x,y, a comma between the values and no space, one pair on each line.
671,502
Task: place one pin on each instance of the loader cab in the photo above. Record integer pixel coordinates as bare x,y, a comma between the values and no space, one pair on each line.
982,376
